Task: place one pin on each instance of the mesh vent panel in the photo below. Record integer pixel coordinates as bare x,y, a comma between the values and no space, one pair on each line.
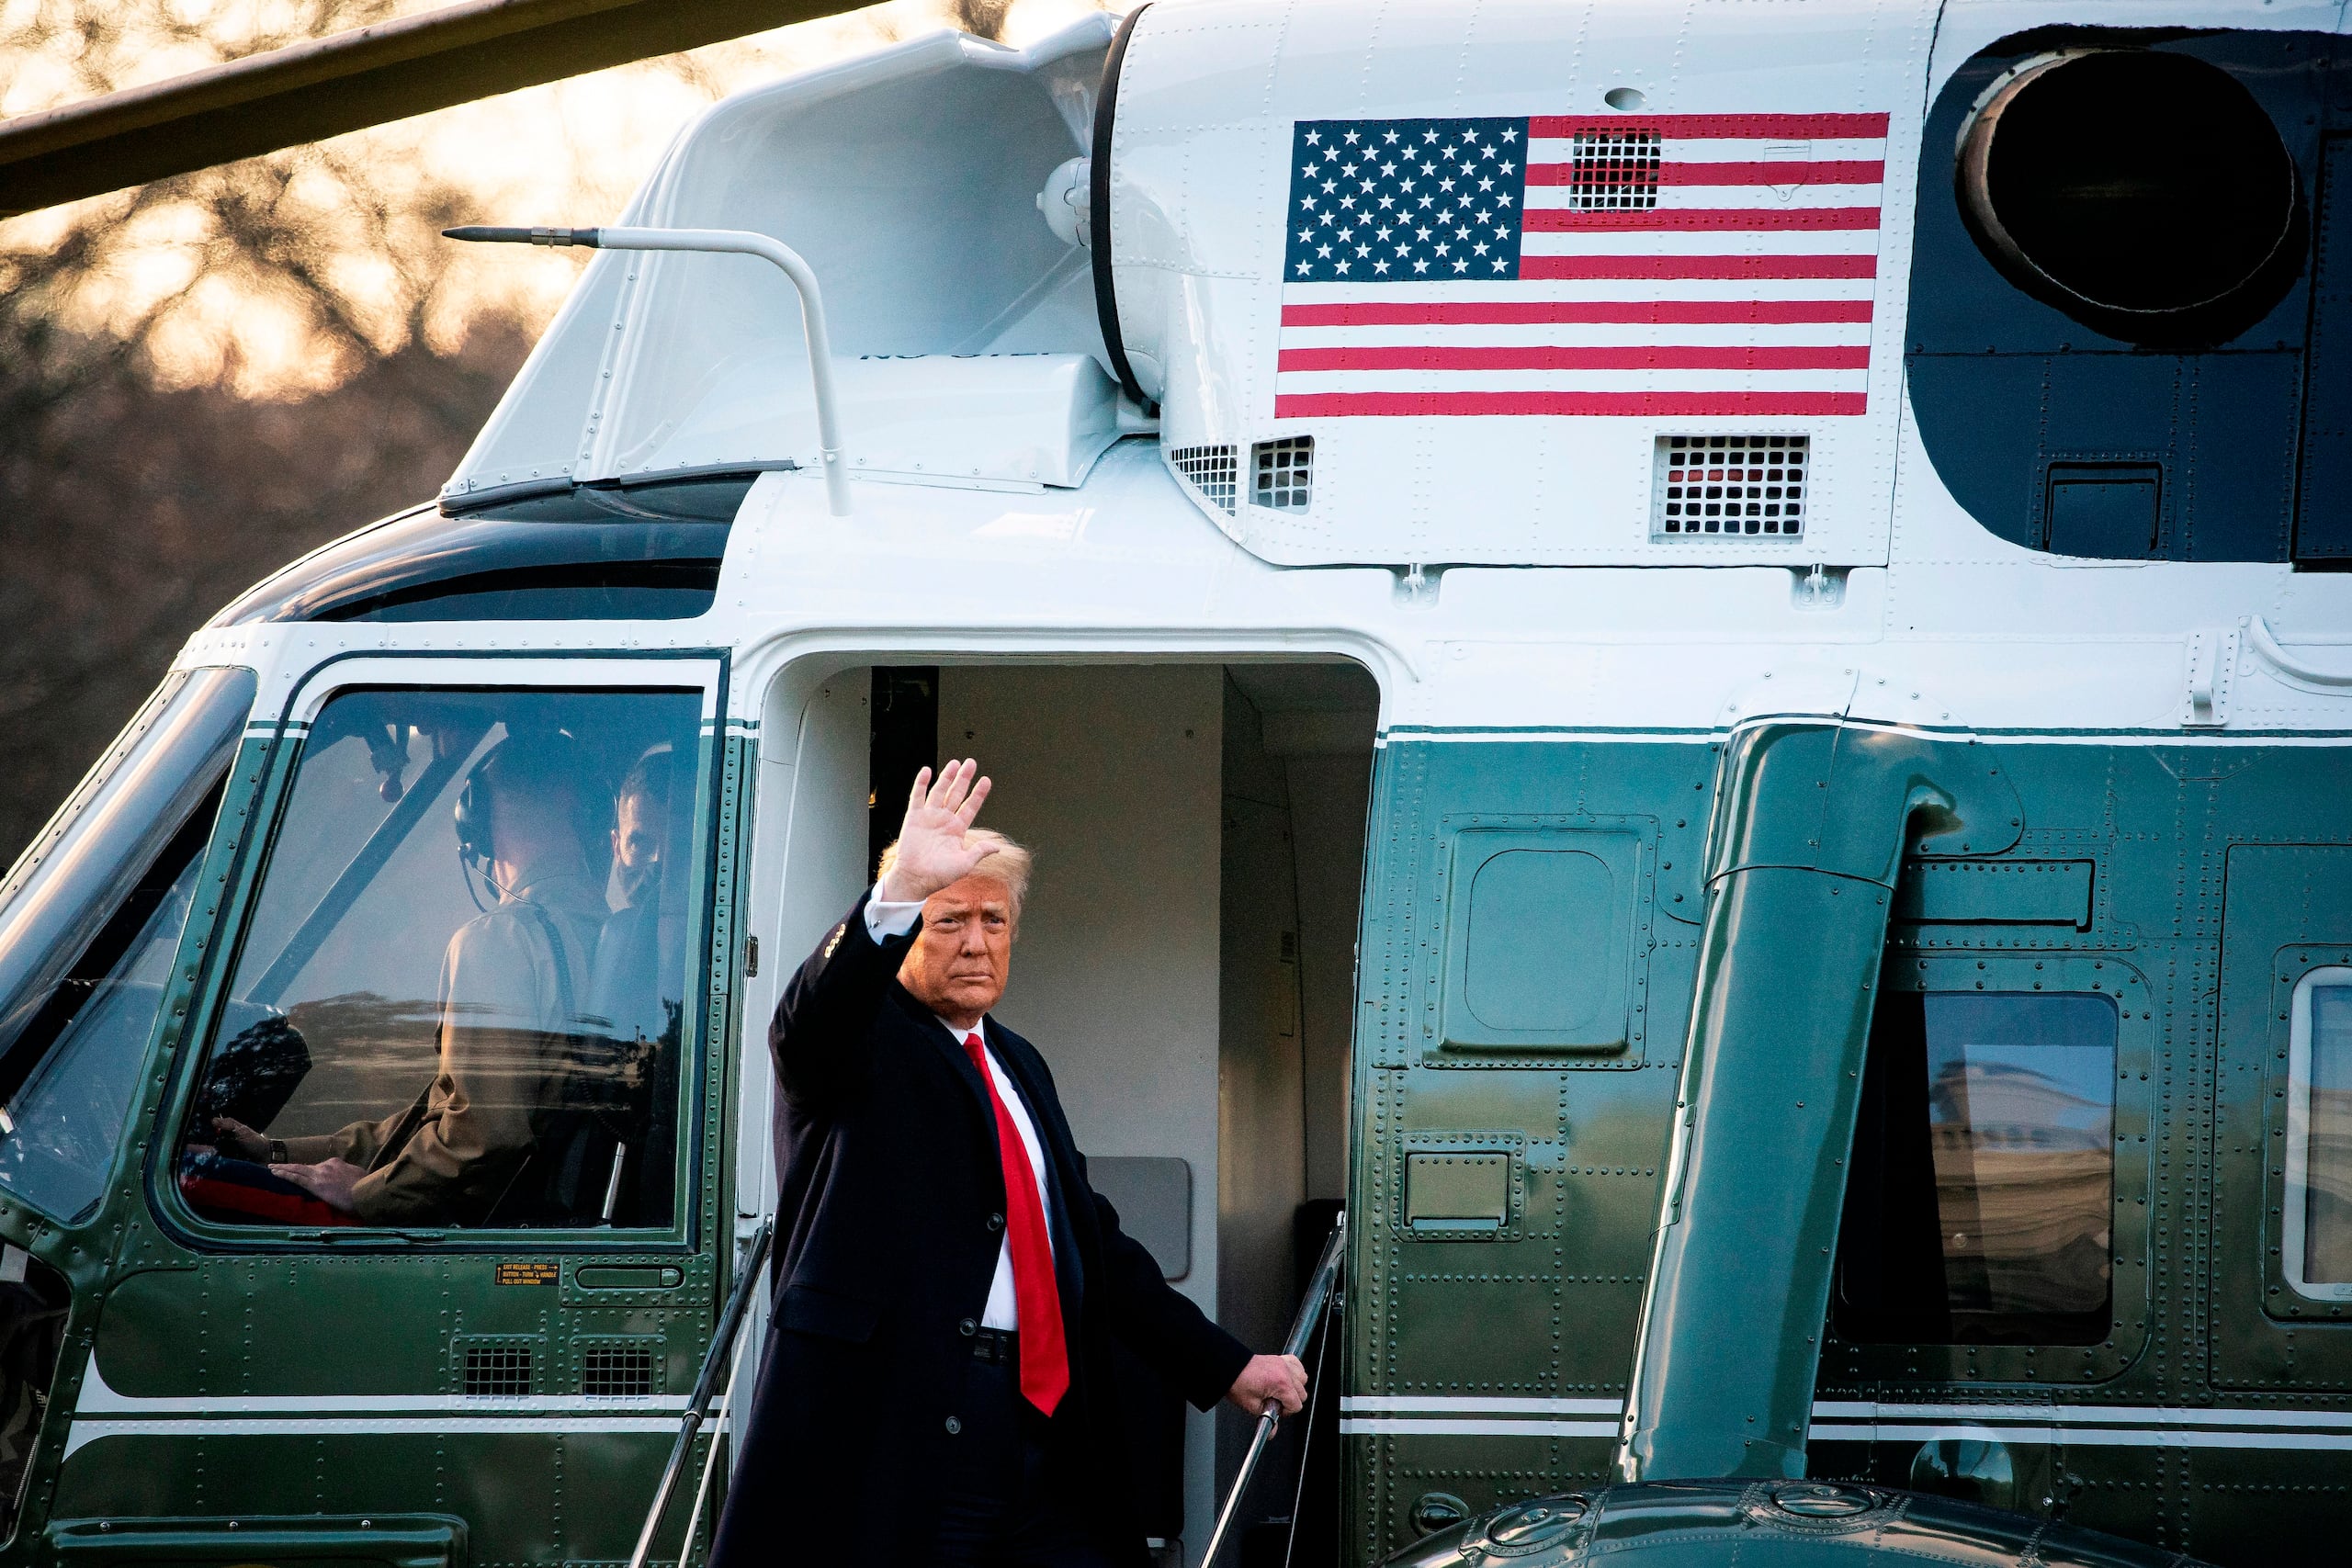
1215,471
617,1371
498,1370
1281,473
1613,171
1718,486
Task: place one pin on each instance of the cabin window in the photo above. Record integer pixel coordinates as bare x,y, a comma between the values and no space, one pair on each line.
461,993
89,927
2317,1241
1980,1207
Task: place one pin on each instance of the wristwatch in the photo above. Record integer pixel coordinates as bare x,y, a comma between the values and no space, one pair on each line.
277,1151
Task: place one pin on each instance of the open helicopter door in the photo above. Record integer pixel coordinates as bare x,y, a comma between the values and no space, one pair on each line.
465,950
1184,962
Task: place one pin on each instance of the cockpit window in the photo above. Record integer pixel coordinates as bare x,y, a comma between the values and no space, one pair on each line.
460,996
1980,1207
89,921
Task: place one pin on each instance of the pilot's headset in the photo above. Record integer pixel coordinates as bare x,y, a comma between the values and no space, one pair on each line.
541,760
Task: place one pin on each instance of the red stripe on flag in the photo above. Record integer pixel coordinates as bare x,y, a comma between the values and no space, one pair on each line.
1586,266
1827,172
1824,356
1574,221
1542,312
1716,126
1654,405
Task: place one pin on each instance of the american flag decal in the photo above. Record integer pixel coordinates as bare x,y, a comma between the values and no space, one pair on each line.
1668,265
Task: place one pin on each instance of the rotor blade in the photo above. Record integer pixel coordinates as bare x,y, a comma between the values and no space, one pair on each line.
307,92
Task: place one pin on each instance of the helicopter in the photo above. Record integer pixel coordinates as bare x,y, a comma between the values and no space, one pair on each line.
1737,624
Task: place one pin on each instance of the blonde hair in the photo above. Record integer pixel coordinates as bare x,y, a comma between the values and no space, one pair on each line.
1006,861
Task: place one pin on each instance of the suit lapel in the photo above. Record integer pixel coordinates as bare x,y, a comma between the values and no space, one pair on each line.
926,1024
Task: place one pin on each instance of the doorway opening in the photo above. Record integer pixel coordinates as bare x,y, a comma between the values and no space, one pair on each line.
1186,963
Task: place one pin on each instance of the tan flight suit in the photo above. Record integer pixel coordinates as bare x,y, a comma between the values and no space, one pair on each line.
510,1038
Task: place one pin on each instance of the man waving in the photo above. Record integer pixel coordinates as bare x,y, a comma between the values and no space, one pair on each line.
937,1387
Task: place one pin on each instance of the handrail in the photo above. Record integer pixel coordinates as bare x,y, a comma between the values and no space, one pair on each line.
724,241
726,1422
722,1342
2258,635
1302,1331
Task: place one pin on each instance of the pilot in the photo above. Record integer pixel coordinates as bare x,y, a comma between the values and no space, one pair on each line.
509,1005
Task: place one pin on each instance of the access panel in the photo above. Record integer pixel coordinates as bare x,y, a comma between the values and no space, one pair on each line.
1546,938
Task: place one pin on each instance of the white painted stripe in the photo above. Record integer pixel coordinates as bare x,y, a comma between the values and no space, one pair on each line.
1728,149
1518,737
1405,736
85,1432
1718,199
2164,738
100,1398
1408,1427
1662,381
1861,1421
1588,334
1375,1404
2082,1414
2087,1437
1675,241
377,1405
1641,290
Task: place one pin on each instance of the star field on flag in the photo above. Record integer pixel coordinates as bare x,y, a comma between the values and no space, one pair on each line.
1406,200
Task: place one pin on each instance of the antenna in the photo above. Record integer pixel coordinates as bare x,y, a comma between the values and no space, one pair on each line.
722,242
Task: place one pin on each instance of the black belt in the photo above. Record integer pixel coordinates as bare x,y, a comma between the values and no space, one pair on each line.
998,1346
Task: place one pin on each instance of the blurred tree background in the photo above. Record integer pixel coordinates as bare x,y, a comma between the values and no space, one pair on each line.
204,377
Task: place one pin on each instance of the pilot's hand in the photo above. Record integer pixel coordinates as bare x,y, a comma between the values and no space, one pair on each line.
233,1137
1269,1379
931,850
330,1181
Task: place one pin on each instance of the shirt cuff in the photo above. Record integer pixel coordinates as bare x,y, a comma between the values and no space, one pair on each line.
885,920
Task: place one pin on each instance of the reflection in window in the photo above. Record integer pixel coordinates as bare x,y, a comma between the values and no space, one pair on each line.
89,927
1980,1202
64,1120
462,991
2318,1240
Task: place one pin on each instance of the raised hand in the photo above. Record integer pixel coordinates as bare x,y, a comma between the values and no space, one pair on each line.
932,851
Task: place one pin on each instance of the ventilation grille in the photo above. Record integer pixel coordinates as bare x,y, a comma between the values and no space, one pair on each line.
617,1371
1720,485
498,1370
1613,171
1215,471
1281,473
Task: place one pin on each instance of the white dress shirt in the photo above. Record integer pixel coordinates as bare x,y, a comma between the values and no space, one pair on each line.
888,920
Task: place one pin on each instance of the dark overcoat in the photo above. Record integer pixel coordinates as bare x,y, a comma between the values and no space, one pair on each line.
890,1214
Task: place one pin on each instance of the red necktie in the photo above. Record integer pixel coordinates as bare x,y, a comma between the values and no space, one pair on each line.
1045,1359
